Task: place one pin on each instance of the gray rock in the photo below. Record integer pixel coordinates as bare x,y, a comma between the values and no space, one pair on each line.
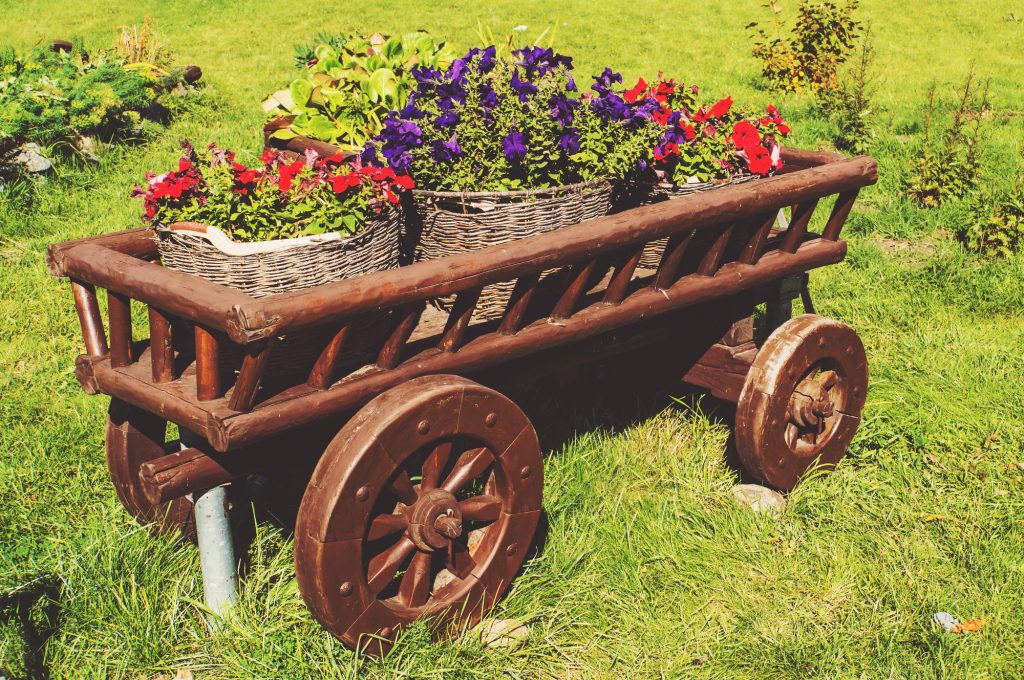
947,622
502,633
30,157
759,498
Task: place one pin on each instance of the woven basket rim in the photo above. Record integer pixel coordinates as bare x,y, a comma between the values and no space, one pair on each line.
518,193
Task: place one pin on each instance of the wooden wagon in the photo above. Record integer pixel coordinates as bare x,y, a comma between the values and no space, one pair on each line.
426,500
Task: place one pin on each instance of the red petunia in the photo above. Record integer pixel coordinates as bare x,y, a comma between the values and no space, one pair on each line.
721,108
759,161
342,182
288,172
184,164
633,94
661,115
268,155
689,131
744,134
404,181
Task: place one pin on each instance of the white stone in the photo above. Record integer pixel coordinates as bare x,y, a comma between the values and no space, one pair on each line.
759,498
502,633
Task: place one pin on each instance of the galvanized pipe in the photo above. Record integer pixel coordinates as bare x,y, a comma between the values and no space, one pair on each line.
216,552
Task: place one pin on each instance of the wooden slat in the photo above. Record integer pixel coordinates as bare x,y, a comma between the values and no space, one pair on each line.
518,304
618,286
579,278
89,318
713,257
840,211
161,346
254,365
391,353
119,313
138,243
793,237
458,320
208,384
671,259
325,369
754,247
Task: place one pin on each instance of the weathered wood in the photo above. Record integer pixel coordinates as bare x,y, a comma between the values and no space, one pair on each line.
518,304
254,364
755,245
794,235
161,346
391,353
293,410
89,318
713,256
722,370
174,292
119,311
325,370
301,309
138,243
178,474
208,384
458,320
579,277
840,211
618,286
671,260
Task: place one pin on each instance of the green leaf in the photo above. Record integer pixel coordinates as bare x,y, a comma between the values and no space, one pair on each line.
301,90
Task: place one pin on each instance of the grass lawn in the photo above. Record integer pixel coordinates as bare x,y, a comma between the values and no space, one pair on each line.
649,570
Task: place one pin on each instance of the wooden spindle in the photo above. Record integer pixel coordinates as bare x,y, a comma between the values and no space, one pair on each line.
325,369
254,365
754,247
671,260
161,346
458,320
623,274
840,211
207,365
391,353
579,278
89,318
794,236
119,311
713,257
518,303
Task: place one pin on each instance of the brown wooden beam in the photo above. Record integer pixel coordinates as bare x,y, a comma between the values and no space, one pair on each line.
254,365
119,312
89,318
840,211
138,243
458,320
325,369
208,385
161,346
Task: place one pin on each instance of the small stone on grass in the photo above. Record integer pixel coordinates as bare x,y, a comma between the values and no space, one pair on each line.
502,633
759,498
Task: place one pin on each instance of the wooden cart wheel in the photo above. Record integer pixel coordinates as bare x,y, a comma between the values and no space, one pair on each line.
424,505
802,399
135,436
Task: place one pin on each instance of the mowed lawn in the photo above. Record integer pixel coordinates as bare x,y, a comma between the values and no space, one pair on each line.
649,570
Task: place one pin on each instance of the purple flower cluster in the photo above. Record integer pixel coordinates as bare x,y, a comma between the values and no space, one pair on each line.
397,139
613,108
538,61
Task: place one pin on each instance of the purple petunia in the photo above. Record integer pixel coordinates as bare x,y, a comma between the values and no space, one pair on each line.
604,82
524,88
447,119
541,61
514,145
488,97
563,108
486,55
443,152
570,141
410,112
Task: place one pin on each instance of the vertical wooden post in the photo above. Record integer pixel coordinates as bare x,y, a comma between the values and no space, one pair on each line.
671,260
579,279
254,364
207,365
326,366
794,236
391,353
518,303
458,319
619,284
713,258
161,346
89,318
119,310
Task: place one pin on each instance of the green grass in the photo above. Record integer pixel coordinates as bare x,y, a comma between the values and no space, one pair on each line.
649,570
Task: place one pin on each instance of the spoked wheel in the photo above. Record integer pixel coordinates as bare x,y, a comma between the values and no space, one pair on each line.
135,436
802,400
424,505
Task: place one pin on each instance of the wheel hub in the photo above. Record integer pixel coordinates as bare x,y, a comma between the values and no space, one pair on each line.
434,520
811,404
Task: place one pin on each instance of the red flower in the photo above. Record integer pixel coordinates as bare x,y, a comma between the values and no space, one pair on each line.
773,112
288,172
782,128
342,182
744,134
665,151
391,195
404,181
759,161
664,89
632,95
183,165
268,155
689,131
721,107
661,115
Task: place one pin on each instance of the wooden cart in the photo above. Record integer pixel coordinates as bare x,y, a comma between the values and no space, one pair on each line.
427,499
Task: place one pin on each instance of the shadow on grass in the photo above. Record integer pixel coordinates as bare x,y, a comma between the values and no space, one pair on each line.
35,609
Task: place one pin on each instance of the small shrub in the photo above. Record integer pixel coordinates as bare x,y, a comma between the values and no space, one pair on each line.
949,160
812,52
848,104
998,227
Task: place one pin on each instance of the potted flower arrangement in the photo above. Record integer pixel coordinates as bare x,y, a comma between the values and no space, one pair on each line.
703,146
504,147
277,227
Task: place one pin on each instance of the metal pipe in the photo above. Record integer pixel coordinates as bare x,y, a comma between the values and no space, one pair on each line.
216,552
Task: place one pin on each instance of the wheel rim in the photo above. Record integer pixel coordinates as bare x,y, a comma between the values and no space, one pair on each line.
802,400
424,505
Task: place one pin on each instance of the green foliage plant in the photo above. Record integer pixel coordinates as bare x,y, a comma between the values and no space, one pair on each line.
848,104
998,225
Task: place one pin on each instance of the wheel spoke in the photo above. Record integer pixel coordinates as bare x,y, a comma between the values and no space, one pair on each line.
460,562
480,508
470,465
434,465
402,487
384,566
415,587
385,525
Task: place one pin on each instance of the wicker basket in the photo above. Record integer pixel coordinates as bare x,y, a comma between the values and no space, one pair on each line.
447,222
651,257
271,267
